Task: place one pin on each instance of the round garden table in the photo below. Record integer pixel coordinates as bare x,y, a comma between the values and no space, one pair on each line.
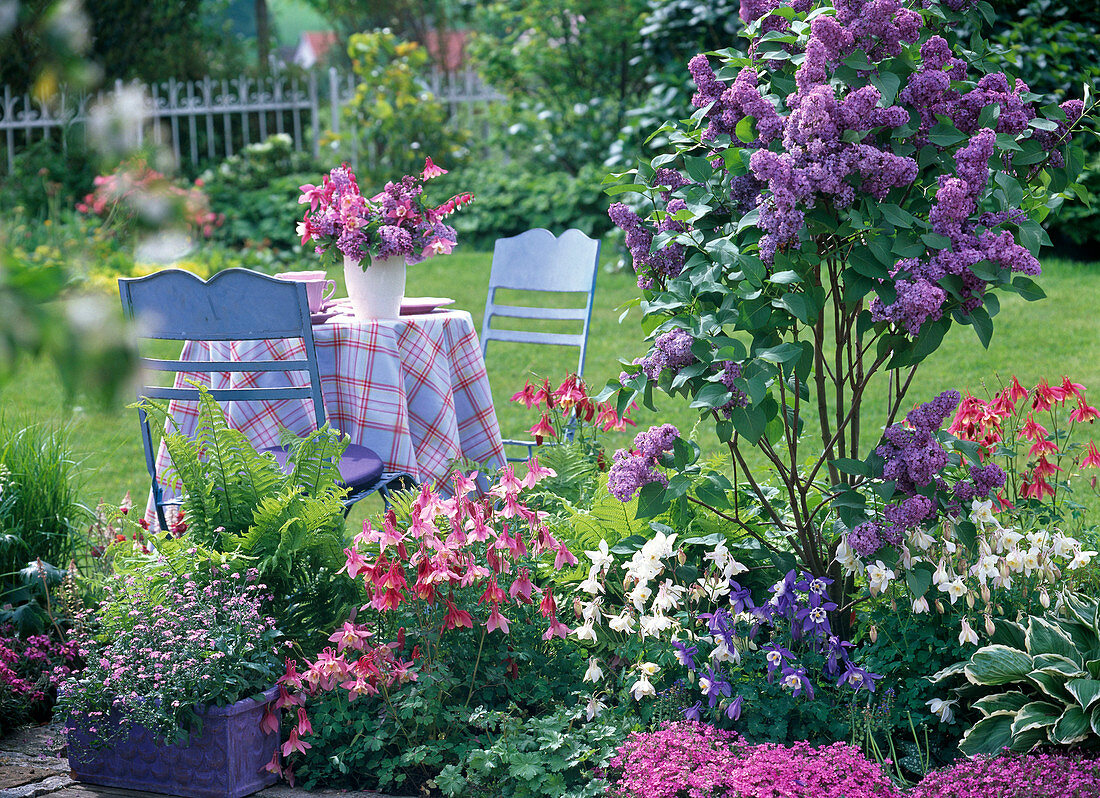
414,389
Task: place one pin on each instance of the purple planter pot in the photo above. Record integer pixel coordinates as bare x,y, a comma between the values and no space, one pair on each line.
226,761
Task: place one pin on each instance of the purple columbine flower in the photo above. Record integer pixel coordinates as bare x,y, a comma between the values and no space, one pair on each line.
740,597
733,711
685,654
714,687
775,655
795,680
694,712
858,679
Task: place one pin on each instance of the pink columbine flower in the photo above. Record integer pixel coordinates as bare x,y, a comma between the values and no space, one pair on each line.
304,726
521,587
431,170
1092,459
496,621
295,743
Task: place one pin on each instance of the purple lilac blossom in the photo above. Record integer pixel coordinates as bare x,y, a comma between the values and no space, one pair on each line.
631,470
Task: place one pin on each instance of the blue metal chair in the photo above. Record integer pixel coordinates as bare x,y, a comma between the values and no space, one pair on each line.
236,305
537,261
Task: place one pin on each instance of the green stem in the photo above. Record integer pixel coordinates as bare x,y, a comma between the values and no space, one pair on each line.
473,676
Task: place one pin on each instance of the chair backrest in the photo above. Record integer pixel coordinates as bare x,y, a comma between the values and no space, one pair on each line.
233,305
537,261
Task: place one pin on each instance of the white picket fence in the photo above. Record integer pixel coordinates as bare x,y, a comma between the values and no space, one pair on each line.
203,121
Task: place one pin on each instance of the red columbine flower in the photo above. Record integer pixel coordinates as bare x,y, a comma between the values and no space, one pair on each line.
521,586
493,594
1003,404
543,429
294,743
1033,430
1036,488
1016,391
1044,396
1043,448
496,621
431,170
548,606
570,392
1045,468
526,396
456,617
1072,389
1092,459
1084,412
291,676
304,726
269,724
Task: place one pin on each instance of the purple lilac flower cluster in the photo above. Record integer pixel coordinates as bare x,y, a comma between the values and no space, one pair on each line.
631,470
915,459
699,761
653,268
31,668
795,618
393,223
183,638
671,350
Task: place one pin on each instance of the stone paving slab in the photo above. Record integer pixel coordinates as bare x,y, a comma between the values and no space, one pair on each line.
33,764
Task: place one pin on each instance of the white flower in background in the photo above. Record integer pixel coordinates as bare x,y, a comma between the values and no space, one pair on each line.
878,577
704,685
601,558
967,635
640,595
922,540
722,653
942,709
1040,537
847,558
1010,540
590,612
733,568
981,512
642,687
920,605
623,622
941,577
1081,559
985,568
719,556
649,669
642,567
1031,560
591,585
661,546
594,672
653,625
594,708
586,631
713,588
955,589
668,597
1015,561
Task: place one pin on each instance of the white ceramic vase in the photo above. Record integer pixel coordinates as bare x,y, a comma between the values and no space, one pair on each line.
376,292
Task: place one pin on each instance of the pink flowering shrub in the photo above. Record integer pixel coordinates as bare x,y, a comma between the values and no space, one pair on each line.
135,194
1014,776
448,581
692,760
31,668
155,650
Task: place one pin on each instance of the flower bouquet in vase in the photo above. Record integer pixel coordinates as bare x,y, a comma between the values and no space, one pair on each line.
377,236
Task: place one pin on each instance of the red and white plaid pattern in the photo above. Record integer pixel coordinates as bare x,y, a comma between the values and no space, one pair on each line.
413,389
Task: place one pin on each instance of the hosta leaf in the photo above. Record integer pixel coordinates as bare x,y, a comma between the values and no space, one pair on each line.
1071,728
1086,691
955,669
1052,685
1084,637
1008,633
1093,666
988,735
1044,637
1094,720
1058,665
993,665
1037,714
1026,740
1082,608
1012,701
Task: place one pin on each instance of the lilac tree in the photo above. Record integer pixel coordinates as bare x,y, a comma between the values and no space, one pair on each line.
848,188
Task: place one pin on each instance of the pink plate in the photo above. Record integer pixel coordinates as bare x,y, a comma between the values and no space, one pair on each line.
414,305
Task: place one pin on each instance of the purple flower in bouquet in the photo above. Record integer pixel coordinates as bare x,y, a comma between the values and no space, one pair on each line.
396,222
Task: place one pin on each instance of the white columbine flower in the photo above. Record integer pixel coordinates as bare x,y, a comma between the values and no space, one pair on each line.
967,635
594,708
955,590
942,709
1015,560
879,577
642,687
586,632
594,672
601,558
1081,559
622,622
920,605
981,512
591,584
639,596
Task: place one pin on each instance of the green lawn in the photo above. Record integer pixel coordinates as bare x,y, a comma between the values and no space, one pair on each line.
1049,338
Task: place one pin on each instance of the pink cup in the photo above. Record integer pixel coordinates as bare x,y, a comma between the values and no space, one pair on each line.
318,288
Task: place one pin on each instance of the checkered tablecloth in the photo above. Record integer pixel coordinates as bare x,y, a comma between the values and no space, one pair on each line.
413,389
